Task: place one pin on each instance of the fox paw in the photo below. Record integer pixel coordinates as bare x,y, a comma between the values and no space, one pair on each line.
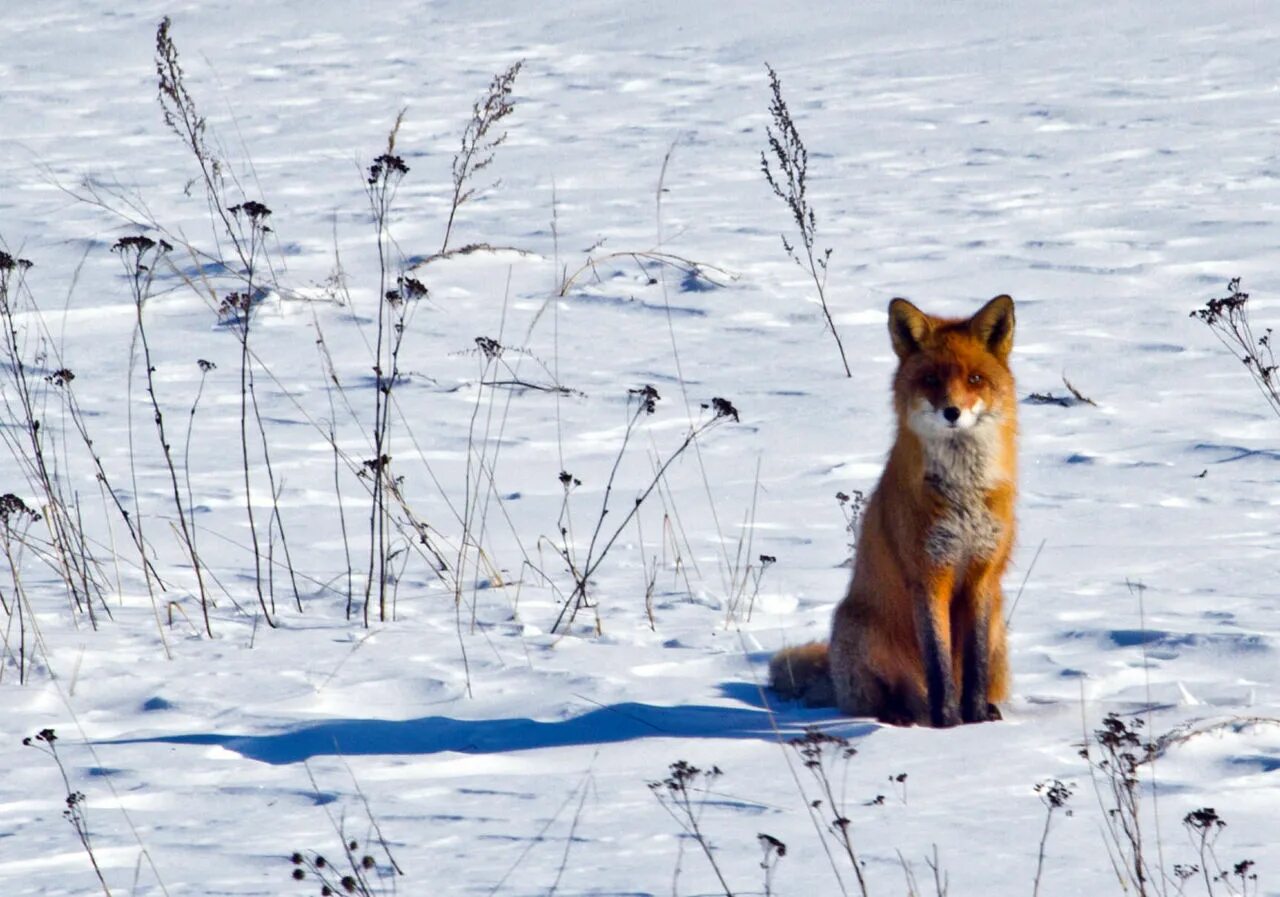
984,712
896,717
989,713
947,718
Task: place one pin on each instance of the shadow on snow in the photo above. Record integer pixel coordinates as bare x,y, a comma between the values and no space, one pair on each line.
433,734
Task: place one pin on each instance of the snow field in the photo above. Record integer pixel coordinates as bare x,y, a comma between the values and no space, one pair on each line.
1110,168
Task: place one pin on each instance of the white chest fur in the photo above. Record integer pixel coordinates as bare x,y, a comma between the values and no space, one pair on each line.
961,468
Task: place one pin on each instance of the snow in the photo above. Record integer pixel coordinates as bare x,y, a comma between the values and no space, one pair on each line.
1109,166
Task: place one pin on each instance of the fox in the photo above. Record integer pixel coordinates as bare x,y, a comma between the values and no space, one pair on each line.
919,637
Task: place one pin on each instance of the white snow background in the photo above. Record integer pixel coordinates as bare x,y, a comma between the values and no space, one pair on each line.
1111,166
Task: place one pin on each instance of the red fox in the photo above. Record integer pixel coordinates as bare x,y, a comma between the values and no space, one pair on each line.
920,635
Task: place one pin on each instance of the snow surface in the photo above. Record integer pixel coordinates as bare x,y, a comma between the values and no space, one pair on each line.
1109,165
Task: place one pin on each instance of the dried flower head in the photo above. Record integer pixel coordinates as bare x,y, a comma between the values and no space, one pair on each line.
12,507
490,347
386,166
1204,820
235,308
769,842
648,397
60,377
255,211
1055,793
724,408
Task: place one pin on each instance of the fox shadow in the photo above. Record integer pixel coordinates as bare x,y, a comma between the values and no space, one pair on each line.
603,725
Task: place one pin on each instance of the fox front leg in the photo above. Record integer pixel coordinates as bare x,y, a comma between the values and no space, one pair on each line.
933,627
978,600
974,706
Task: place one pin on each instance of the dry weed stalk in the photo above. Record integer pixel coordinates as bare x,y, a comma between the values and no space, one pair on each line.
140,255
72,556
643,401
480,141
45,741
1228,318
788,176
683,794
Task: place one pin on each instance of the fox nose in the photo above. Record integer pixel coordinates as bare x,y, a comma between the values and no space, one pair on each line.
951,413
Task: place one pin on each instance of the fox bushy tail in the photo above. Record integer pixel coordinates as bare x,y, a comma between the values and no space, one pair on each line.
803,672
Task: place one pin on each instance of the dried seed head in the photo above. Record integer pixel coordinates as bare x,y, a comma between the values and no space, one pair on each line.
138,244
412,288
255,211
384,167
60,377
770,843
648,397
724,408
491,348
13,507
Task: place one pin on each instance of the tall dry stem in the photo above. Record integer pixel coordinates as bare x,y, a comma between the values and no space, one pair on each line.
787,174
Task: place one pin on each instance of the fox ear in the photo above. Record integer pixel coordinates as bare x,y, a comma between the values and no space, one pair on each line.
908,326
993,324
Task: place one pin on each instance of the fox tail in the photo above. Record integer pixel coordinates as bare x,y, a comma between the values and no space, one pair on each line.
803,672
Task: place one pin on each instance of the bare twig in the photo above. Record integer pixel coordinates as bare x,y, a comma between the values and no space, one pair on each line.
710,273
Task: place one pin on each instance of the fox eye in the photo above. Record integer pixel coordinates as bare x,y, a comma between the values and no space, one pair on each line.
931,380
975,379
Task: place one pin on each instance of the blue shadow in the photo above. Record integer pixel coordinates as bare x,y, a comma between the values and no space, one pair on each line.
433,734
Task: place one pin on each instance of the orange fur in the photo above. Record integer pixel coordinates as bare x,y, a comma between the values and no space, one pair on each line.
924,608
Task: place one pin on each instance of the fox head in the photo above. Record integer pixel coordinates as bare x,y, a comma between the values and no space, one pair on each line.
953,375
